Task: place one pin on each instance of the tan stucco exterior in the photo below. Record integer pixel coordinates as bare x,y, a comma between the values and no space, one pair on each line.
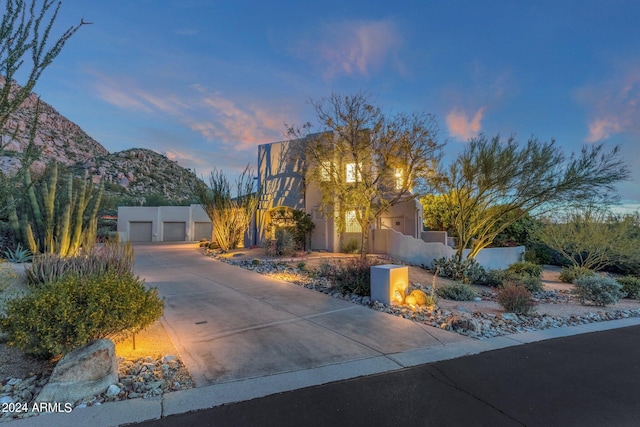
281,176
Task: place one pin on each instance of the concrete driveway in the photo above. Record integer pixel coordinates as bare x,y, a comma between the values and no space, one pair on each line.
231,324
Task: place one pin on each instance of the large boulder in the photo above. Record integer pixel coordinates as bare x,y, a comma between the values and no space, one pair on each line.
85,372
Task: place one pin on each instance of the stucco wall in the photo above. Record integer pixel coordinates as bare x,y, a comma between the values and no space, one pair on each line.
158,215
419,252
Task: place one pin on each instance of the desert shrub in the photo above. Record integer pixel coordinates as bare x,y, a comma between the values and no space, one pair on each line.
572,273
630,286
515,299
494,278
255,261
75,310
531,283
353,276
351,246
465,271
18,255
597,289
525,268
100,259
283,243
456,292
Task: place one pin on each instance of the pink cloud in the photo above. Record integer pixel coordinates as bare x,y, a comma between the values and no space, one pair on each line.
461,127
355,48
232,123
613,105
600,129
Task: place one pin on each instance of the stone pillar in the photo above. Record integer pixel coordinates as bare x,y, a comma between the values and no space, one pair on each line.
389,283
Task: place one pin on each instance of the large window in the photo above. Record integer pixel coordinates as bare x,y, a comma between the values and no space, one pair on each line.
353,174
351,223
398,178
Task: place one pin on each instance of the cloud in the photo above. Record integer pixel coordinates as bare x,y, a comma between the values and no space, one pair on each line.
128,95
213,116
613,105
600,129
461,127
354,47
244,125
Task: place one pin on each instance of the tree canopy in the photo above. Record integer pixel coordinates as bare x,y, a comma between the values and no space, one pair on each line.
365,161
494,179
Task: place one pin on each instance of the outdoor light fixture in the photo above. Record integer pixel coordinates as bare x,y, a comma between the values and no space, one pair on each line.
389,283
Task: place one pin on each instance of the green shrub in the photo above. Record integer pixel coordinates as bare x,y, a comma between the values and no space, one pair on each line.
255,261
525,268
465,271
456,292
494,278
283,244
531,283
18,255
72,311
100,259
597,289
353,276
630,286
515,299
570,274
351,246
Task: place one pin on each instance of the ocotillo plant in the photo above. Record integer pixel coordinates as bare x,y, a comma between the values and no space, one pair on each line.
59,215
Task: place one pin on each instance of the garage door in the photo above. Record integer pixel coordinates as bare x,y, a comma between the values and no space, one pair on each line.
202,230
140,231
173,231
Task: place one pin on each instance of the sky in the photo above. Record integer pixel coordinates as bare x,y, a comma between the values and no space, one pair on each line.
206,81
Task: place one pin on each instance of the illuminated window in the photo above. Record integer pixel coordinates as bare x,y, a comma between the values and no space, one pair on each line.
325,171
398,178
351,223
353,173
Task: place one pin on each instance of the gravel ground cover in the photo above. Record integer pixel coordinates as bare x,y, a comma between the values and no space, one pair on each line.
483,318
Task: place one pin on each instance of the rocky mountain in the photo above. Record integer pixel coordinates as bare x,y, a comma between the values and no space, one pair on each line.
134,176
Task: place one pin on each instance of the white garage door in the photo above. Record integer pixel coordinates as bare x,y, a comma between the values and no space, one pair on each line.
202,230
173,231
140,231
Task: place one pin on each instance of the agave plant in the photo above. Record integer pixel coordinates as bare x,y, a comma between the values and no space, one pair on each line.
18,255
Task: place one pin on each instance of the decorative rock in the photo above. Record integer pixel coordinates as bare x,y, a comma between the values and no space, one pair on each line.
86,371
113,390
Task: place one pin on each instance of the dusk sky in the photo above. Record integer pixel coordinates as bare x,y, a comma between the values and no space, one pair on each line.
207,81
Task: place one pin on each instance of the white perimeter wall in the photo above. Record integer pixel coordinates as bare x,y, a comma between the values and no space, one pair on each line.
419,252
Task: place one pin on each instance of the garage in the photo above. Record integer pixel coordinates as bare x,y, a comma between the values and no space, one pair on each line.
174,231
202,230
140,231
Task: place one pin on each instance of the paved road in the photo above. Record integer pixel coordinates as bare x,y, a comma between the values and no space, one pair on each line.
584,380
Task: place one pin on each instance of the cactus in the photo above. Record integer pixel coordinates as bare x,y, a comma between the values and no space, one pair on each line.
62,225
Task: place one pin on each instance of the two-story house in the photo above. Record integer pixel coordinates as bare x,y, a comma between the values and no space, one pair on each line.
284,182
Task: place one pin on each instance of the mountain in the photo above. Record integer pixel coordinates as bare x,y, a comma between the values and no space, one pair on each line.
134,176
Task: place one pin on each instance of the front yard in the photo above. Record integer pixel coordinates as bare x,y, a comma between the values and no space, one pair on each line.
482,318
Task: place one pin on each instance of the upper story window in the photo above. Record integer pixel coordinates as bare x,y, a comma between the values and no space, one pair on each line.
325,171
398,178
353,174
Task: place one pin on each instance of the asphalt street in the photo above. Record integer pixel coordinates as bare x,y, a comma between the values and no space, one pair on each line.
583,380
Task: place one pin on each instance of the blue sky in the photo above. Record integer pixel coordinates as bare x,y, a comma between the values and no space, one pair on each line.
207,81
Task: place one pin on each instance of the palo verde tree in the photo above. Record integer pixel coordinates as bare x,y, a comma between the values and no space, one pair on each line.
593,237
495,179
26,49
364,161
230,213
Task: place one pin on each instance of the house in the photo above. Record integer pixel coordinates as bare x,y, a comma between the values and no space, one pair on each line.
283,181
